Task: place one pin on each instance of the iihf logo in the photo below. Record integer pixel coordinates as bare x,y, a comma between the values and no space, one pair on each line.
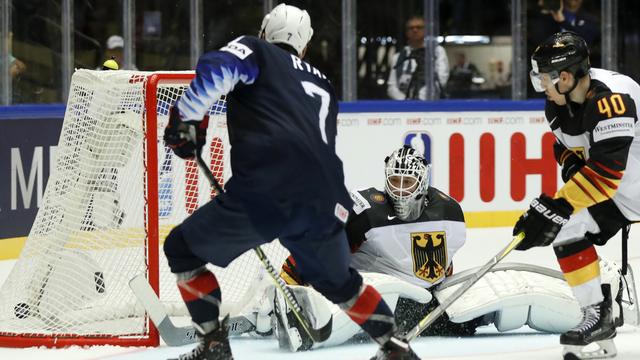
421,141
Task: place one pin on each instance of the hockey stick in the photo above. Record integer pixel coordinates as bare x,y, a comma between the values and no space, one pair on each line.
437,312
171,334
317,335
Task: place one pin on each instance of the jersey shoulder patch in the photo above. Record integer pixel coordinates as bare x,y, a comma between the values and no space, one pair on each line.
448,207
611,115
237,48
364,198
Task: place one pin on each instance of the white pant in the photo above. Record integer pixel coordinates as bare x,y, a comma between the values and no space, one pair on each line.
579,224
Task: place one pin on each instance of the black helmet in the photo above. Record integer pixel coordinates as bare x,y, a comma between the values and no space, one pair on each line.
563,51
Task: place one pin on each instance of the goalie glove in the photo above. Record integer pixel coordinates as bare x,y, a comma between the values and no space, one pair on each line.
287,328
185,137
542,222
289,272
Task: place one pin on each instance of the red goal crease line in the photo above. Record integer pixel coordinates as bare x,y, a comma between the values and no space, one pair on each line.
10,247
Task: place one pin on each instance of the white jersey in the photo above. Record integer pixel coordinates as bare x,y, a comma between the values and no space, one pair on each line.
419,252
604,132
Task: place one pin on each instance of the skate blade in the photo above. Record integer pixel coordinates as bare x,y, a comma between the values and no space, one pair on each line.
604,349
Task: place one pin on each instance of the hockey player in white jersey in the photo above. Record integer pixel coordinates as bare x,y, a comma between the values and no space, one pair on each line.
594,115
409,232
403,240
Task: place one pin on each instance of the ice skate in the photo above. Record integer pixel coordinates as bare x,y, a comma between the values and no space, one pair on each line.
211,346
597,326
395,349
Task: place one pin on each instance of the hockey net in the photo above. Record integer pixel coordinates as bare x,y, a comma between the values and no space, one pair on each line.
114,194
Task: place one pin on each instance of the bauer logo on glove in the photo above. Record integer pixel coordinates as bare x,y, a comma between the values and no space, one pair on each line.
549,214
542,222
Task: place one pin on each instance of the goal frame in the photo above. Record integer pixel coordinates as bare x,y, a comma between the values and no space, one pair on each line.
152,239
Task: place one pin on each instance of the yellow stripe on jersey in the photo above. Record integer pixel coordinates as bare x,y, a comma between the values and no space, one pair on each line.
583,275
587,188
565,155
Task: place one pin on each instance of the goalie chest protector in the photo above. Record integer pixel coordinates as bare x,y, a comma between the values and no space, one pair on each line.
419,252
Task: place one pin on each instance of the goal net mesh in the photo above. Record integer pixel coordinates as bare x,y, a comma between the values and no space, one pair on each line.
94,231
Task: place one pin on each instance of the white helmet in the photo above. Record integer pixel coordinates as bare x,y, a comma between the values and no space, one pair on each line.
407,176
287,24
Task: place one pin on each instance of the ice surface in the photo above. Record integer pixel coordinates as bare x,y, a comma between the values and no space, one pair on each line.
522,344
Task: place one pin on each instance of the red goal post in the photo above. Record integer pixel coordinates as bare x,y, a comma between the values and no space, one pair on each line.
113,195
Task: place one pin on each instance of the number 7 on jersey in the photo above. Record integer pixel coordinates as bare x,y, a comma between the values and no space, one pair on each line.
312,90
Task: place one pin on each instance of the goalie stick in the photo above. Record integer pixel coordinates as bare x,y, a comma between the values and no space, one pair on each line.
437,312
317,335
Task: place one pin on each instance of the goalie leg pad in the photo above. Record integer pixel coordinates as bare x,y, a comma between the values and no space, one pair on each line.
319,309
513,298
372,313
290,333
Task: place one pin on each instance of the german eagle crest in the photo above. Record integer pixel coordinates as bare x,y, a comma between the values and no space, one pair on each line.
429,253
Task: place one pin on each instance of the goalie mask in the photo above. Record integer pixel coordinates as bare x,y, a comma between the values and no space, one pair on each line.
407,181
287,24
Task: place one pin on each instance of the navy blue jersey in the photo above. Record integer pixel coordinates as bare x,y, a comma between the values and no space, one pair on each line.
281,117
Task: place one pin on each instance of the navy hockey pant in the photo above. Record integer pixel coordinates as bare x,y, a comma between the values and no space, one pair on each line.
221,230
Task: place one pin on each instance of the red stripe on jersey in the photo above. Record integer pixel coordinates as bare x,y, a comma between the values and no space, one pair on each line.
578,260
596,176
616,174
597,180
194,289
365,305
584,190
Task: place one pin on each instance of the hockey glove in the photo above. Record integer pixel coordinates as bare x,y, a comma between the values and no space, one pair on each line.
289,272
185,137
542,222
571,166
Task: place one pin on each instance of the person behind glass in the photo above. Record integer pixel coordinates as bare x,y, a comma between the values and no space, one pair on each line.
114,51
593,114
553,16
462,77
406,78
16,66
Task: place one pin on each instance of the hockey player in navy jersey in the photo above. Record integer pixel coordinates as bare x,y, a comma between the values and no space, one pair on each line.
594,115
287,180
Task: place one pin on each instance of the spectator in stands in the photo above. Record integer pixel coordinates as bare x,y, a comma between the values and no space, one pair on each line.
499,79
16,66
547,17
498,75
406,78
464,75
115,50
552,16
